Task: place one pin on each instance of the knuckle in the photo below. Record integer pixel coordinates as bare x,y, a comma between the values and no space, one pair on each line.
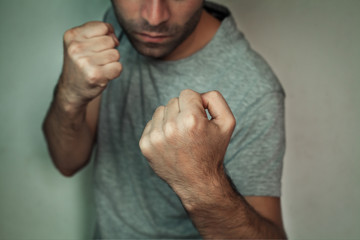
156,137
102,27
87,24
117,54
186,91
170,129
172,101
109,42
215,94
118,66
190,121
98,26
159,109
94,23
145,147
114,55
144,143
102,84
83,62
74,48
231,123
114,71
93,76
69,35
117,69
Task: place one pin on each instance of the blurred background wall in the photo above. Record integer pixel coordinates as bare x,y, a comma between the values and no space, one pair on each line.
313,47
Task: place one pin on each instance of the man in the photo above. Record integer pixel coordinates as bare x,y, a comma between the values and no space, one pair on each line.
186,173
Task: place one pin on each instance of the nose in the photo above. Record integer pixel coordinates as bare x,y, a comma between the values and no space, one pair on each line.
155,12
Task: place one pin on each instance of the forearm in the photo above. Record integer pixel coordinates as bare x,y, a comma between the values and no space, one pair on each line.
222,213
187,150
68,136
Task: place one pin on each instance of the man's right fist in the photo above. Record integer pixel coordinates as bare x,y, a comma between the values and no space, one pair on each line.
91,60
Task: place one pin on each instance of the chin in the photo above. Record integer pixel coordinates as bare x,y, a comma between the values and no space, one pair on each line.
153,50
153,53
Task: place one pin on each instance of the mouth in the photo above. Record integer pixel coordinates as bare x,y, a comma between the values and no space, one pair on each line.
152,37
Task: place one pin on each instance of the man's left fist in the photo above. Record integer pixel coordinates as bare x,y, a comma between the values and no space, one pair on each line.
183,146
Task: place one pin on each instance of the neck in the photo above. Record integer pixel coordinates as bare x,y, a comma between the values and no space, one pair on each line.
199,38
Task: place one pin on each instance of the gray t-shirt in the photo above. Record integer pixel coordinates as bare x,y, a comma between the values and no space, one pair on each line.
131,200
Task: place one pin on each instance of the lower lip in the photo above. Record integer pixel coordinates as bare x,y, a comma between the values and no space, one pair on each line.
149,39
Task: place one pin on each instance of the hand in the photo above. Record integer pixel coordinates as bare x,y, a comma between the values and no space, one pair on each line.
90,61
185,148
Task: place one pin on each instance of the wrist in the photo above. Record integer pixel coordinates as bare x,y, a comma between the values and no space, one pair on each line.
68,115
68,102
205,195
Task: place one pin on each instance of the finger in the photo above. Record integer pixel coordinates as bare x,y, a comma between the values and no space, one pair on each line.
144,142
190,100
105,57
172,109
157,118
100,43
147,128
111,70
95,29
218,108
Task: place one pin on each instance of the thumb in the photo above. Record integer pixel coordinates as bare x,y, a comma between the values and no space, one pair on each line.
219,110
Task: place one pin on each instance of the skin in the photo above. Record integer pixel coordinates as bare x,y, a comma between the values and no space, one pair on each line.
90,61
187,150
154,19
167,30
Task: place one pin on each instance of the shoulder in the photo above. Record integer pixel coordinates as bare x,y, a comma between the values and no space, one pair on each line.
244,61
246,77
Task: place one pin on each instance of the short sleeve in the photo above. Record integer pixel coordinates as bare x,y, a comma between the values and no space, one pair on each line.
254,158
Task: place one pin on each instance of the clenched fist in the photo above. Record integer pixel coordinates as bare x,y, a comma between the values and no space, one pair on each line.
90,62
184,147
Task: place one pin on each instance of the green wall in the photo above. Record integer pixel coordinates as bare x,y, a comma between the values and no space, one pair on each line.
36,202
313,46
